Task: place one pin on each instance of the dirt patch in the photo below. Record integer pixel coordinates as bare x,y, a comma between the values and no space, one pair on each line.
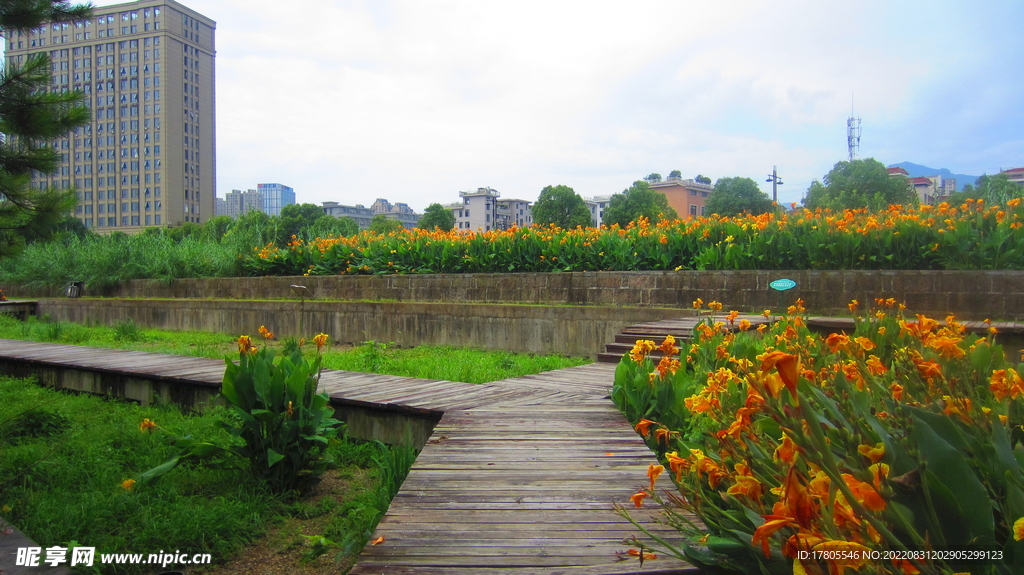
287,547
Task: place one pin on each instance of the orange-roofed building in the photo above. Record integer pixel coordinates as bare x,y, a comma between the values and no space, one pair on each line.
1016,175
686,197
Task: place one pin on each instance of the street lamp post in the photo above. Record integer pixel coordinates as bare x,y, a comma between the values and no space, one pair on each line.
776,182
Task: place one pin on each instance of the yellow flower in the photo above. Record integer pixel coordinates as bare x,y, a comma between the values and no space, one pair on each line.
320,340
698,303
715,305
147,425
1018,529
128,484
875,454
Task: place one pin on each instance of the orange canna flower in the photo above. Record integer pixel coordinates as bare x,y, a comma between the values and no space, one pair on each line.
864,493
128,484
638,553
662,435
896,390
668,347
786,451
653,471
677,464
147,425
853,305
643,427
787,365
875,366
772,524
244,344
947,346
715,306
747,486
865,343
698,303
837,341
266,333
744,324
641,350
638,498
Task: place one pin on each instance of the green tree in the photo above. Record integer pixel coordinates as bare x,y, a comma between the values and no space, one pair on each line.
702,179
327,225
653,177
384,225
294,219
734,196
437,216
995,190
30,115
562,206
859,184
639,200
675,174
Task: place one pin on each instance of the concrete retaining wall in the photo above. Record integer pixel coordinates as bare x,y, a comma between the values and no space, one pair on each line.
523,328
968,294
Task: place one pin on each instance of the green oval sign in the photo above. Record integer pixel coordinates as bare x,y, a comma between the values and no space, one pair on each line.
782,285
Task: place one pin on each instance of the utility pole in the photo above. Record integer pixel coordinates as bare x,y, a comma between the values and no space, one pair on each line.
776,182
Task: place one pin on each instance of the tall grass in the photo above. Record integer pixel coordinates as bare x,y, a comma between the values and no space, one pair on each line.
102,261
63,483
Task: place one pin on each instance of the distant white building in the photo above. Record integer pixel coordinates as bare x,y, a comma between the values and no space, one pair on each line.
597,205
482,210
237,203
362,215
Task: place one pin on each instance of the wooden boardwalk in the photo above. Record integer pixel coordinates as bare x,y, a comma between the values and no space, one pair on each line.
520,474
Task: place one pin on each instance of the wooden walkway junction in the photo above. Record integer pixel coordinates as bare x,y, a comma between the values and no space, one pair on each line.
519,475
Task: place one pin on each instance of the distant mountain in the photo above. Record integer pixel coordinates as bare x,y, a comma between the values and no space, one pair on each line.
919,171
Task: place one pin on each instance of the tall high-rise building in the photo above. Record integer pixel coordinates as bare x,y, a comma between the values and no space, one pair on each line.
275,197
146,68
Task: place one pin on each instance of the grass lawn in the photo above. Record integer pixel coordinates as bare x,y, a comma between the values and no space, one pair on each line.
430,362
64,458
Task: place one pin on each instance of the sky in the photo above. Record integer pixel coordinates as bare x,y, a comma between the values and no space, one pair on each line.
416,100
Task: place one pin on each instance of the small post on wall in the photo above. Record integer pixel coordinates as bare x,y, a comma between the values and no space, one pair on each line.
303,292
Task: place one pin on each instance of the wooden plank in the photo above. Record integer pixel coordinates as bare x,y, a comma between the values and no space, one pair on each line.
522,472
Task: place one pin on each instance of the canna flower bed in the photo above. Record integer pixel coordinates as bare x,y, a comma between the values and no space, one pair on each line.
970,236
895,449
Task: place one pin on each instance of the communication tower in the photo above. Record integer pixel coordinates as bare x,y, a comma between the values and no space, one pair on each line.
853,133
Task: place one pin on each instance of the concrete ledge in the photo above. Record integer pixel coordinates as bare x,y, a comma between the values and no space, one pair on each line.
565,330
970,294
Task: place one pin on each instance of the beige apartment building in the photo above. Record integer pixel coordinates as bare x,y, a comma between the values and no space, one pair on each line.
146,69
481,210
